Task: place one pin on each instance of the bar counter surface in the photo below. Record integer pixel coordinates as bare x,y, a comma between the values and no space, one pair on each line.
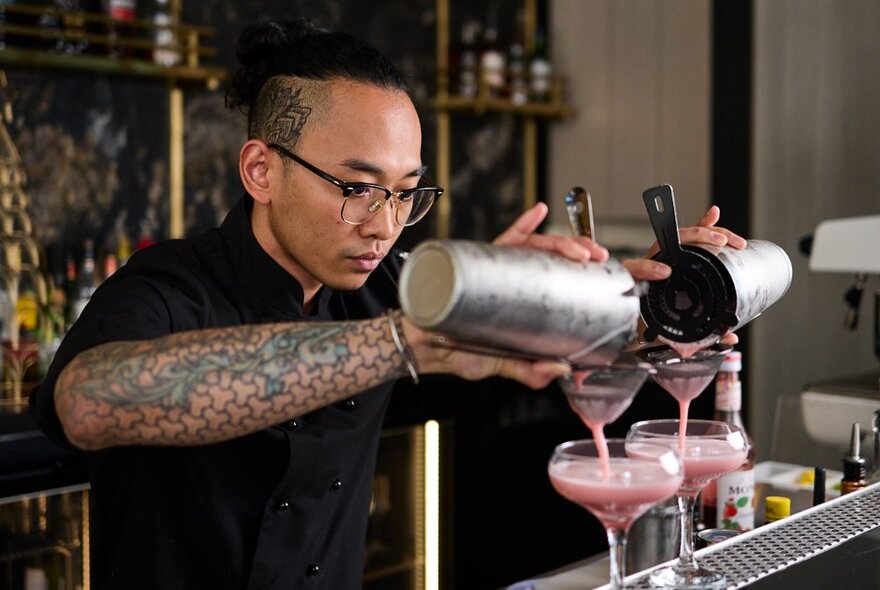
832,545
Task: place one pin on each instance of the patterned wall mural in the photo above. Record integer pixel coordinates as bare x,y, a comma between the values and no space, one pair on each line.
95,145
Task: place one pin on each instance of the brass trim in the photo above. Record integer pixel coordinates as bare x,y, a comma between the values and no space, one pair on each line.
175,162
530,162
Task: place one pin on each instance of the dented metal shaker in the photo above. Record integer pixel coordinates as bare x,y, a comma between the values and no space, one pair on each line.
520,300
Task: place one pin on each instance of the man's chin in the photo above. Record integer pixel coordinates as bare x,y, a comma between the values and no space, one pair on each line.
349,282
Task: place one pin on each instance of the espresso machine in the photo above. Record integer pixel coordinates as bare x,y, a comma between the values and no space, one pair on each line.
830,407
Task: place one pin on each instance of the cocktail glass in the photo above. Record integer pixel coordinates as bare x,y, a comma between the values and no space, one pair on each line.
600,394
711,449
684,378
635,478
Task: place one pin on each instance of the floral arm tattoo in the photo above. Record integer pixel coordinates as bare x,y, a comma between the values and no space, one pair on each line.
206,386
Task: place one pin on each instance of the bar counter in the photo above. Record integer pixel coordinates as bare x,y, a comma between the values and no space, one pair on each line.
833,545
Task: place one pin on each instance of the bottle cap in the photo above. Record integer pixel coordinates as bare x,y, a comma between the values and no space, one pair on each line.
732,362
776,507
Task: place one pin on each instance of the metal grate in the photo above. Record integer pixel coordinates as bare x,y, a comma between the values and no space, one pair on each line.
770,548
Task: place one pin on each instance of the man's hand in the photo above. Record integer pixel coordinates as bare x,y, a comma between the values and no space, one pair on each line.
705,232
471,366
522,233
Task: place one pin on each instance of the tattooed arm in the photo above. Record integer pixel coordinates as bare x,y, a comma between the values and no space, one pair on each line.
206,386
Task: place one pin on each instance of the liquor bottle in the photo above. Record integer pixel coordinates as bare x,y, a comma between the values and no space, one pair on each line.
540,70
164,36
63,24
519,86
492,61
70,286
5,38
86,281
73,23
123,249
120,12
111,264
468,67
729,502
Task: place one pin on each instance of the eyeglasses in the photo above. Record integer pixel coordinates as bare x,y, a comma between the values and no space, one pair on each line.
364,200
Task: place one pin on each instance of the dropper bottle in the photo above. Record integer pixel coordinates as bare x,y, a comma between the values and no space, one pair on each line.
875,432
855,469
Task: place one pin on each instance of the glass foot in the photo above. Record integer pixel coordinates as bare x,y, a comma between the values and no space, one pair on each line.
688,578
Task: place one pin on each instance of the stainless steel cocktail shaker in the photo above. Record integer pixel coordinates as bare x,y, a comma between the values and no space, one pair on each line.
520,300
711,290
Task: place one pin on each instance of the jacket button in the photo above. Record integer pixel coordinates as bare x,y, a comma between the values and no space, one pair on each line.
351,403
313,570
292,425
336,484
282,506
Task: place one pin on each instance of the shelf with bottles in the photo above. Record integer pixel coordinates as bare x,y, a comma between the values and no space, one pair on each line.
477,74
45,539
485,101
64,35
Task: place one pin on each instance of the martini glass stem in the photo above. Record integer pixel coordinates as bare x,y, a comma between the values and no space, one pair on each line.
617,556
686,548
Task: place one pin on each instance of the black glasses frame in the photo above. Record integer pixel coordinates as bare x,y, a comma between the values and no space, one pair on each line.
349,187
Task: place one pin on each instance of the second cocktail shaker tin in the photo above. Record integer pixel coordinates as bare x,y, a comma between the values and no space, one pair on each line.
520,300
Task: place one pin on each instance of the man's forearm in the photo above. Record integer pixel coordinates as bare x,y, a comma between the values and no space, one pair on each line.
206,386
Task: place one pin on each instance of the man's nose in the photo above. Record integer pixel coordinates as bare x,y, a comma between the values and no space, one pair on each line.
384,224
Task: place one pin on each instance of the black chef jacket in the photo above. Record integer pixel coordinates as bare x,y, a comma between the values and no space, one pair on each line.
285,507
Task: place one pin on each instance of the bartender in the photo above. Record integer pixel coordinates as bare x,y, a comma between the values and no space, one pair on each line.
229,390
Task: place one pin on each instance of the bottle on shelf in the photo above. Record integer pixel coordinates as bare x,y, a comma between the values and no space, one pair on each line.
70,285
120,13
492,60
540,70
63,24
111,264
518,85
776,508
5,39
468,66
164,37
729,501
855,468
86,281
123,249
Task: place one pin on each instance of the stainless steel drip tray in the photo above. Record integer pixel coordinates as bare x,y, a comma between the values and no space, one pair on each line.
835,544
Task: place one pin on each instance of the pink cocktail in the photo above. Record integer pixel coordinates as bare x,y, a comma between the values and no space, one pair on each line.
631,486
684,378
600,394
710,450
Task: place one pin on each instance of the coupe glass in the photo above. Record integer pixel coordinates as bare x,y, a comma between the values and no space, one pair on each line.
684,378
711,449
635,478
600,394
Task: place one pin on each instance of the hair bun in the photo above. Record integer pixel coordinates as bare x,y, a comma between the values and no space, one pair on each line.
260,43
258,47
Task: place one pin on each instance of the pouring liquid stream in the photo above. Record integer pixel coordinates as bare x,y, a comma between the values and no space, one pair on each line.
684,390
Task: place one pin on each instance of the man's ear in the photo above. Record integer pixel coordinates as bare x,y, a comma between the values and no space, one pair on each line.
254,169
